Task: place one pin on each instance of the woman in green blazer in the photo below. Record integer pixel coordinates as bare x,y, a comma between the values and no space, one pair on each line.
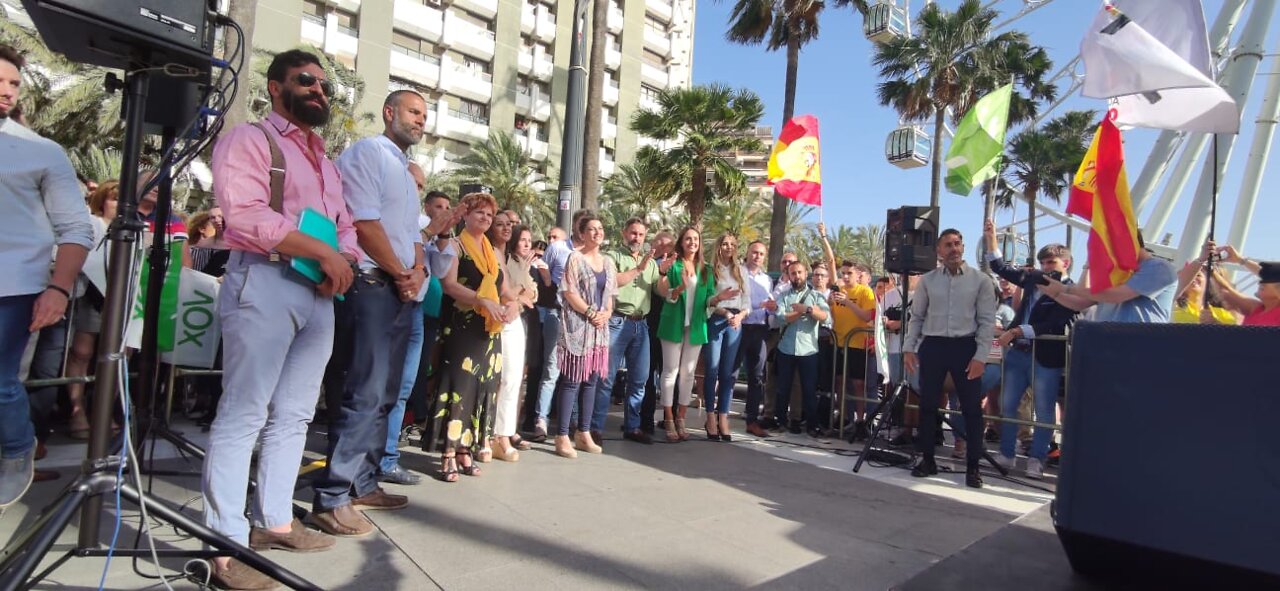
689,287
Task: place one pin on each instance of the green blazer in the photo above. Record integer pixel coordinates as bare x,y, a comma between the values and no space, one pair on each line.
671,325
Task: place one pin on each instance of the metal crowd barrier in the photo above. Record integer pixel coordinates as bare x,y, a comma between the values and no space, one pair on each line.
1016,421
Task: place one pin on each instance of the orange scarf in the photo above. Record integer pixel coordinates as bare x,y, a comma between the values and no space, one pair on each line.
481,253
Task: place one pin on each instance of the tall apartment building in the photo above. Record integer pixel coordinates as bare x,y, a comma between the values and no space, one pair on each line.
492,65
755,165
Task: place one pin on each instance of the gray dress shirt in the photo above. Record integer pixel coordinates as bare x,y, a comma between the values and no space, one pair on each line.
41,207
377,185
960,305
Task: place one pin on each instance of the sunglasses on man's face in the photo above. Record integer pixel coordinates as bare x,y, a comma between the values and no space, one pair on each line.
307,80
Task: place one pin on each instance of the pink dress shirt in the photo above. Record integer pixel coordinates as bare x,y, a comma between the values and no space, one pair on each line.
241,184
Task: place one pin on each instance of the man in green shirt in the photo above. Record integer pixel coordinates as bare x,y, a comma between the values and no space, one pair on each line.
801,311
628,331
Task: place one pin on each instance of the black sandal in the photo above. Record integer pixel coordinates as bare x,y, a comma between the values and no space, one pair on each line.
448,474
468,468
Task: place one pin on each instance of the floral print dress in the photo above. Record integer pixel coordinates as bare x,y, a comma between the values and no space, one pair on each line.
461,412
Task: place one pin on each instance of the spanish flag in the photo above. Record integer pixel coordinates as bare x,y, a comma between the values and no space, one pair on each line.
1100,194
795,166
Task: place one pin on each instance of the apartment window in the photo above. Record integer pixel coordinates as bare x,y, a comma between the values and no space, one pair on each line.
654,58
615,43
608,154
313,11
348,22
522,85
655,25
648,93
472,111
476,21
394,84
611,115
541,135
414,46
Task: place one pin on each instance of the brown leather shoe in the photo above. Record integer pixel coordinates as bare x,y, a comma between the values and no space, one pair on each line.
344,522
241,577
379,499
299,539
757,430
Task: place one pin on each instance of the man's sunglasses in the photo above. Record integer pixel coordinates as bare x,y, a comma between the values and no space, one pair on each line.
307,80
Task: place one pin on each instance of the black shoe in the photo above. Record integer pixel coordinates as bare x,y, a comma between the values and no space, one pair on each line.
539,435
795,428
638,436
972,478
860,432
815,433
926,467
992,436
903,440
769,424
399,475
597,438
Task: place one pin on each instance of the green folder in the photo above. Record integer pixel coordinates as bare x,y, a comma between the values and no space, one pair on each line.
316,225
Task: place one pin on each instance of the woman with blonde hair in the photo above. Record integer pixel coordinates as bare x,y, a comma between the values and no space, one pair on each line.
477,305
724,336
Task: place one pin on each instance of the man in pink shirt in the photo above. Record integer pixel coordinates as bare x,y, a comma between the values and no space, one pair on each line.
277,326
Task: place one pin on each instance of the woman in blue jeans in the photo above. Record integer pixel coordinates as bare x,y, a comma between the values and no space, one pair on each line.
724,336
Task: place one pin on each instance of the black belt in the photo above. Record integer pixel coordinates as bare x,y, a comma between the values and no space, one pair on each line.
1025,347
636,317
732,310
377,274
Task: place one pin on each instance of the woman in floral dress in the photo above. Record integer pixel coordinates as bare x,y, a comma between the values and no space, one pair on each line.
476,307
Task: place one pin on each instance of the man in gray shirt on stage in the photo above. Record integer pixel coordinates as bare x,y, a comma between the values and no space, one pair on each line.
952,323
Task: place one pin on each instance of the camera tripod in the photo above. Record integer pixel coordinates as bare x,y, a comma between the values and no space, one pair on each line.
102,473
879,418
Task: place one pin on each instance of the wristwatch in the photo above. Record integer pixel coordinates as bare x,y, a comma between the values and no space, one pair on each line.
444,235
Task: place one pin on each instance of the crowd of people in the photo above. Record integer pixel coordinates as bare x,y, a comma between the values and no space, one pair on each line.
453,317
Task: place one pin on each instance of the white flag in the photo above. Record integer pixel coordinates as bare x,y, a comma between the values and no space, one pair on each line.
1151,57
197,328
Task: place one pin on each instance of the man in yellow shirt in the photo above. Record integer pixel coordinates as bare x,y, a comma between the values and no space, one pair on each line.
854,306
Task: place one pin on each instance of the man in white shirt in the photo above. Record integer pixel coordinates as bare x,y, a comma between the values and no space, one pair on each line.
41,211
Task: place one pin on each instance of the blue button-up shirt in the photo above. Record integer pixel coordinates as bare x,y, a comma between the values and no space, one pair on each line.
377,185
759,286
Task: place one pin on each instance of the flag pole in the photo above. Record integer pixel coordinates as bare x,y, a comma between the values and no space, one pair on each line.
1213,216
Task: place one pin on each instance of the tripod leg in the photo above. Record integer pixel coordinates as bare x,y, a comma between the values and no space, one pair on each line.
216,540
986,453
878,422
21,557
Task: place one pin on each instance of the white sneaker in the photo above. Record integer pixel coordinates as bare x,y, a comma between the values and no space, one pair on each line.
1034,469
1005,462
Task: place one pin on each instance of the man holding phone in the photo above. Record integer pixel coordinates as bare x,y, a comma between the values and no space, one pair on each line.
1039,365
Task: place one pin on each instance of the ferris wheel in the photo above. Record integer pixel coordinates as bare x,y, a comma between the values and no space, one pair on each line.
910,146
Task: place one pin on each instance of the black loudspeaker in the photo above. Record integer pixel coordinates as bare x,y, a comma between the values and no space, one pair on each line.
128,34
1170,468
176,102
910,235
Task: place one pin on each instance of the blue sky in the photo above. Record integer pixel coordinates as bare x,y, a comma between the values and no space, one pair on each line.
837,84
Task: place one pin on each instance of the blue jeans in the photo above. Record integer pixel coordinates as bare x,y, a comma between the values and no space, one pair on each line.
372,339
721,369
1018,368
788,366
550,369
395,418
17,435
629,340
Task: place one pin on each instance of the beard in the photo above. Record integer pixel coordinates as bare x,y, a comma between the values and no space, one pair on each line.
405,133
309,114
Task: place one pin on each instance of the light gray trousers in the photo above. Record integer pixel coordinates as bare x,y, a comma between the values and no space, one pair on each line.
277,334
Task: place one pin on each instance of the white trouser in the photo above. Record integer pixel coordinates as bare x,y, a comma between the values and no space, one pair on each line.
513,337
679,358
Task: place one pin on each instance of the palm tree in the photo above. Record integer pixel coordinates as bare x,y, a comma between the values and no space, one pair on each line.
705,122
778,24
951,61
1041,161
746,218
868,247
504,165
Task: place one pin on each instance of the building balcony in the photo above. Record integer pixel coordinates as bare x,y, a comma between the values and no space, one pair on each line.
411,65
662,9
461,126
348,5
654,75
524,63
528,19
468,38
484,8
607,166
543,67
433,120
340,43
419,19
610,93
534,105
612,57
615,18
466,82
538,149
608,127
313,32
545,26
648,104
657,41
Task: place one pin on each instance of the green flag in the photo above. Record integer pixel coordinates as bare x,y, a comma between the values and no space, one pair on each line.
976,147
